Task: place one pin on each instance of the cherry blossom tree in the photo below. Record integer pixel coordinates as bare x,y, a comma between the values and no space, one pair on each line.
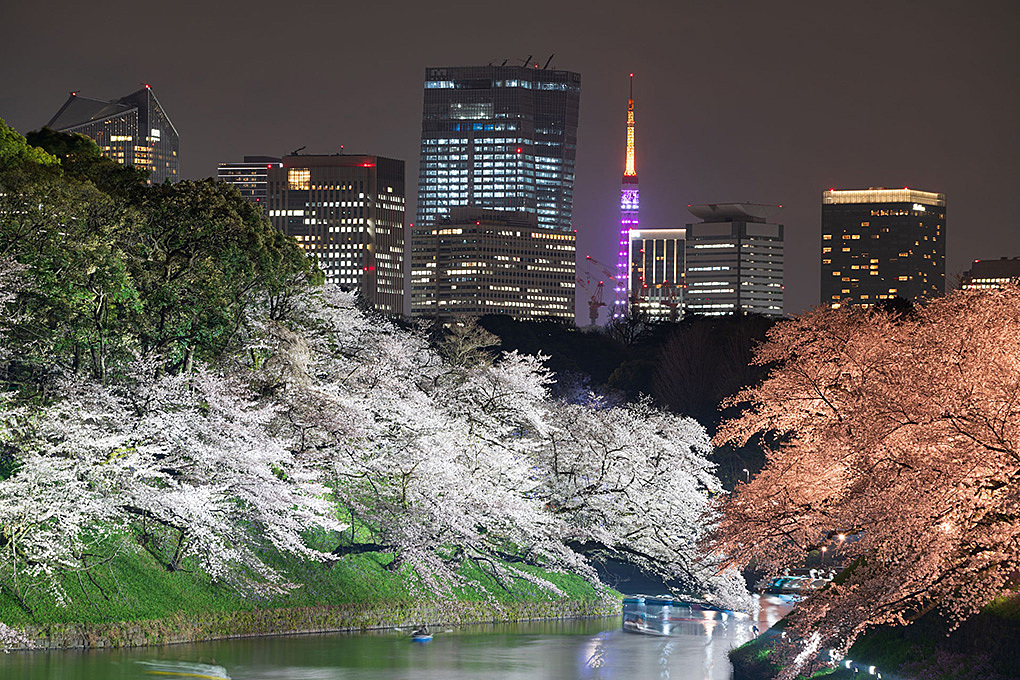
634,483
441,456
899,452
185,458
428,456
450,456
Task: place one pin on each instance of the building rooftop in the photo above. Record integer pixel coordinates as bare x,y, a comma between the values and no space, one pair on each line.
729,212
467,214
664,232
334,160
1004,267
883,195
79,110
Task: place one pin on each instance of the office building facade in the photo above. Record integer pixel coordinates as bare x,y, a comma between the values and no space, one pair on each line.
880,243
347,211
734,260
493,262
499,138
992,274
133,130
250,177
496,139
656,277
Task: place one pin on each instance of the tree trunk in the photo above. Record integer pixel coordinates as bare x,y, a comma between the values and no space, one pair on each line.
175,562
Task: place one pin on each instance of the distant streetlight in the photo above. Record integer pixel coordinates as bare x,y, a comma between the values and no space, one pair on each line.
747,475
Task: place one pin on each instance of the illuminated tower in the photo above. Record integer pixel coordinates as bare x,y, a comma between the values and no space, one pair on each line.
629,202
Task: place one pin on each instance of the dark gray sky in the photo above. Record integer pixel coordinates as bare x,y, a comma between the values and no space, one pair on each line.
767,101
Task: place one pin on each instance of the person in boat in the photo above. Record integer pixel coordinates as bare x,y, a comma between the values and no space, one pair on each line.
423,629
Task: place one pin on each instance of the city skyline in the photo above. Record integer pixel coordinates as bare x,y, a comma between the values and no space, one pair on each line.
806,100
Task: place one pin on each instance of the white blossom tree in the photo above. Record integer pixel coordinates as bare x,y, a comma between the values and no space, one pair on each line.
439,456
425,455
451,456
634,483
188,457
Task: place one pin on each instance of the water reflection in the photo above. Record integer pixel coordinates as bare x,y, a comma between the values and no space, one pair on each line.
558,650
183,669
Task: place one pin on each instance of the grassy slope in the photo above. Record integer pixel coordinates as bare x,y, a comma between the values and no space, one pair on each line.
135,586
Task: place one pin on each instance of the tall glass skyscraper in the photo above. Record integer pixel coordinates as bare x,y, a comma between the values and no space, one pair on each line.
499,138
496,138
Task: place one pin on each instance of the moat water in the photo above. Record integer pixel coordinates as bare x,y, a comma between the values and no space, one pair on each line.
593,649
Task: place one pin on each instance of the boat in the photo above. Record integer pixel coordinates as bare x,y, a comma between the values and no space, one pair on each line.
798,582
665,614
422,638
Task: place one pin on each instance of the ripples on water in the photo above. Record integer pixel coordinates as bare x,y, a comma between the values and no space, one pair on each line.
587,650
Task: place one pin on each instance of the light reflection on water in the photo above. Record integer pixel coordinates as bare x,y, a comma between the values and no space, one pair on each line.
587,650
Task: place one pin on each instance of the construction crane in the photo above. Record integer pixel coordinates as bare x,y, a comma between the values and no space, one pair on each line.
595,302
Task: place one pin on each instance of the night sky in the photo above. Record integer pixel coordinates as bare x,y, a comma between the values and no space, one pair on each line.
764,101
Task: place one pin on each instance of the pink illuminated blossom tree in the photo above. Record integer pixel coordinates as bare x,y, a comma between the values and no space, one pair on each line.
898,452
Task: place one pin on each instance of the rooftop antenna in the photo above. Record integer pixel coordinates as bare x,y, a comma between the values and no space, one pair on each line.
504,62
527,62
341,149
548,61
295,152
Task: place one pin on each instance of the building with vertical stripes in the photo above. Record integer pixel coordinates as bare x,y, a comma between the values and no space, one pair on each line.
656,278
